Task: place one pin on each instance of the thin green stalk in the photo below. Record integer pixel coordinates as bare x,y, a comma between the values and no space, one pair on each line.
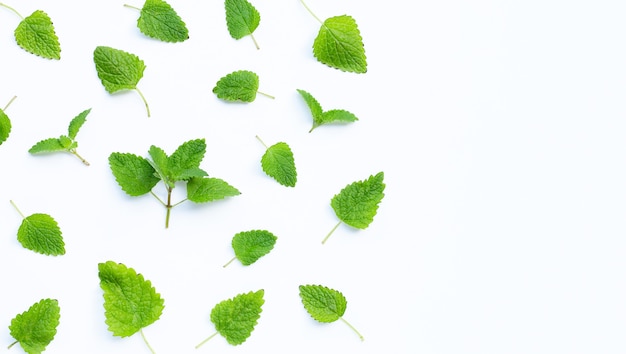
12,9
144,101
146,341
80,157
266,95
18,210
259,139
311,12
8,104
12,344
168,206
331,232
354,329
229,262
255,42
181,202
159,199
132,7
206,340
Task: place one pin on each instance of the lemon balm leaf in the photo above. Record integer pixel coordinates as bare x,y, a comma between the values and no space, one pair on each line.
119,70
185,161
203,190
235,318
35,328
242,19
5,123
40,233
324,304
241,85
251,245
357,203
158,20
36,35
278,162
65,143
133,173
321,117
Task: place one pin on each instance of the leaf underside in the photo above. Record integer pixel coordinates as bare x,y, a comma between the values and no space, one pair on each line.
357,203
278,163
36,327
322,303
251,245
208,189
239,85
339,45
47,145
241,18
5,127
117,69
35,34
160,21
236,318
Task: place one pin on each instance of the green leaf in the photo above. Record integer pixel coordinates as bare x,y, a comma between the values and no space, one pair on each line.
63,143
77,123
130,301
236,318
239,85
35,34
41,233
357,203
321,117
36,327
324,304
5,127
203,190
187,157
159,21
242,19
160,164
339,45
47,145
251,245
278,163
133,173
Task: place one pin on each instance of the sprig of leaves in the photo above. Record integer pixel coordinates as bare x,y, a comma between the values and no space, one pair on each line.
131,303
138,176
5,123
35,34
36,327
241,85
158,20
278,163
242,19
236,318
339,43
357,203
251,245
119,70
65,143
321,117
324,304
40,233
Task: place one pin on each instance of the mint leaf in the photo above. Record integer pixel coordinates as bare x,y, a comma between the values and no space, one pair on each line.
35,34
186,158
40,233
236,318
239,85
324,304
320,117
133,173
36,327
203,190
131,303
242,19
160,21
278,163
64,143
119,70
5,123
357,203
251,245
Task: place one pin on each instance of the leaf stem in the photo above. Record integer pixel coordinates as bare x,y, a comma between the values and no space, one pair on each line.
206,340
159,199
229,262
259,139
311,12
168,207
146,341
79,157
132,7
182,201
266,95
8,104
354,329
12,9
144,101
18,210
12,344
255,42
331,232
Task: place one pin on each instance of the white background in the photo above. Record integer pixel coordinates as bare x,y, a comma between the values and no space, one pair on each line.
499,126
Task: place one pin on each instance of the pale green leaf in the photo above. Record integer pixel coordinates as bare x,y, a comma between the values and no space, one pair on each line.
251,245
314,105
35,34
130,301
322,303
41,233
47,145
321,117
159,163
5,127
357,203
242,18
77,123
236,318
133,173
239,85
203,190
278,163
117,69
160,21
339,45
36,327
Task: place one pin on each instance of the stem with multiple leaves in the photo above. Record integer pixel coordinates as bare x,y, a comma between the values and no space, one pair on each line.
168,206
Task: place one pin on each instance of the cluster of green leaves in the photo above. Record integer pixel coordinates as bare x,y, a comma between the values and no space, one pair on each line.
5,123
40,233
325,304
241,85
251,245
138,175
278,163
65,143
321,117
131,303
36,327
35,34
235,318
158,20
242,19
357,203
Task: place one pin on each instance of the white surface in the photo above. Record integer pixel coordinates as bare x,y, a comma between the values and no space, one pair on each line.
499,126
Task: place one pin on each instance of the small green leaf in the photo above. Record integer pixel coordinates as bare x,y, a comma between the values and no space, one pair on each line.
130,301
239,85
35,34
186,157
339,45
133,173
5,127
278,163
251,245
64,142
77,123
242,19
47,145
357,203
160,21
40,233
203,190
320,117
36,327
324,304
235,318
